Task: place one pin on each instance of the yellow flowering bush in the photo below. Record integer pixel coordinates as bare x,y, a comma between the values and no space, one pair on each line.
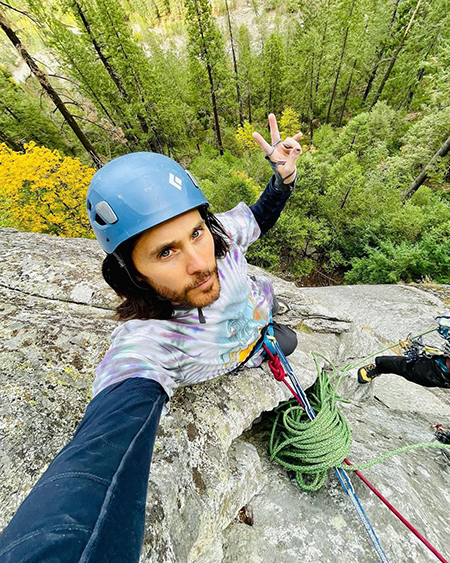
290,123
44,191
244,137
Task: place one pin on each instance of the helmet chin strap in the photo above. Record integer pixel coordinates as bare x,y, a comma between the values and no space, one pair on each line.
123,265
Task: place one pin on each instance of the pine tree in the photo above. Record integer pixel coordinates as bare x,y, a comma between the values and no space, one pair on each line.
396,53
24,117
206,51
274,73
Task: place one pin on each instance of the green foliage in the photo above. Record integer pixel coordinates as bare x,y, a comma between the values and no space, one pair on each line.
158,76
289,123
274,73
210,75
245,139
24,118
405,261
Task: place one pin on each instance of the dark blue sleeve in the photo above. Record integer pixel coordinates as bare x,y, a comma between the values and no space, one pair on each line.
90,503
271,203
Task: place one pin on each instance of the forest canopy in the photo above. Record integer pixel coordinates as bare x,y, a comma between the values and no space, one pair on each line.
367,82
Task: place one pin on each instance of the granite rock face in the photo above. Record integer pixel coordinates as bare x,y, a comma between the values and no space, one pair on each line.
210,458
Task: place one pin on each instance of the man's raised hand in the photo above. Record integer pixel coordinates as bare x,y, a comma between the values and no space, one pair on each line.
282,155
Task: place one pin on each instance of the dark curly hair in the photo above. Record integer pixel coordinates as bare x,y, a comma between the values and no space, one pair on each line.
140,300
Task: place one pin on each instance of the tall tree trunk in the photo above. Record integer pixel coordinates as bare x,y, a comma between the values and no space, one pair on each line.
443,151
114,77
333,94
311,110
108,67
421,71
379,56
146,125
45,83
238,91
395,55
344,201
346,94
322,48
211,84
11,113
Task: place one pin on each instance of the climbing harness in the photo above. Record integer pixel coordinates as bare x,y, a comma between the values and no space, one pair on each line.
309,456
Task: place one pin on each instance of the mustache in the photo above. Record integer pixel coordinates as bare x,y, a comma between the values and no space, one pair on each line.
200,278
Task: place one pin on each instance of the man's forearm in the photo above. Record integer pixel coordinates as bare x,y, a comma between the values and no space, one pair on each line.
271,203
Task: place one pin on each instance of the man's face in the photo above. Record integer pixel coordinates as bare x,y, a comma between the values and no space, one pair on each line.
177,259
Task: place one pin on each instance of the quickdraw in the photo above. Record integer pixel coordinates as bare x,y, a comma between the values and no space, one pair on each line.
414,348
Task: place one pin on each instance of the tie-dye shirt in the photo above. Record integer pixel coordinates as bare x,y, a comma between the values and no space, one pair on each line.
182,351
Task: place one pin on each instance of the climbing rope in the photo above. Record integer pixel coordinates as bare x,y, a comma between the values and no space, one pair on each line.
278,364
310,437
312,447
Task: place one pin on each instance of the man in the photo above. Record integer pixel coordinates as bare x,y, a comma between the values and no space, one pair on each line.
190,313
429,367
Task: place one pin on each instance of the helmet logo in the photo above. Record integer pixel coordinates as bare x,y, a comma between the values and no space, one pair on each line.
175,181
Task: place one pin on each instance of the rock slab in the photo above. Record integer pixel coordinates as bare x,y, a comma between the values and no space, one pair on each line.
57,315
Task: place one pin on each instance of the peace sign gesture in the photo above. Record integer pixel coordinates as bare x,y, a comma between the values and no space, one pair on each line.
282,155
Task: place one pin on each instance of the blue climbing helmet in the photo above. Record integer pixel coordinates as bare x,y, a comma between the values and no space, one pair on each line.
443,322
135,192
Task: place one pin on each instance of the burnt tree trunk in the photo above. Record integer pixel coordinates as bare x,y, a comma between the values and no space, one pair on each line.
53,95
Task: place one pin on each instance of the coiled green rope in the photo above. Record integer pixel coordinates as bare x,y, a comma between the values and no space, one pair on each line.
311,448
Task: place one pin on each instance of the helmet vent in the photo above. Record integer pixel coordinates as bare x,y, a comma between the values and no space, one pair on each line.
89,205
105,211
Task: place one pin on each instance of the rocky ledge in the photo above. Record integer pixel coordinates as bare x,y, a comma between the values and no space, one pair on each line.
210,458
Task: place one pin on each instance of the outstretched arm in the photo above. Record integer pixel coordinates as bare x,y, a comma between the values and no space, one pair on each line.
90,503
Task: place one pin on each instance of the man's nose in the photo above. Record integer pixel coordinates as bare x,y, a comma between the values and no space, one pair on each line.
196,262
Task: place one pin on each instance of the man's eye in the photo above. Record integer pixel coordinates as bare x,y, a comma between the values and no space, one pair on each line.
197,233
165,253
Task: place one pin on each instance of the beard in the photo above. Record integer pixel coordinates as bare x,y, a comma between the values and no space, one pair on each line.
192,297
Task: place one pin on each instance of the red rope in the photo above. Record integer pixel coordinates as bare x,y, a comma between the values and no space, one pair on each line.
280,375
399,516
